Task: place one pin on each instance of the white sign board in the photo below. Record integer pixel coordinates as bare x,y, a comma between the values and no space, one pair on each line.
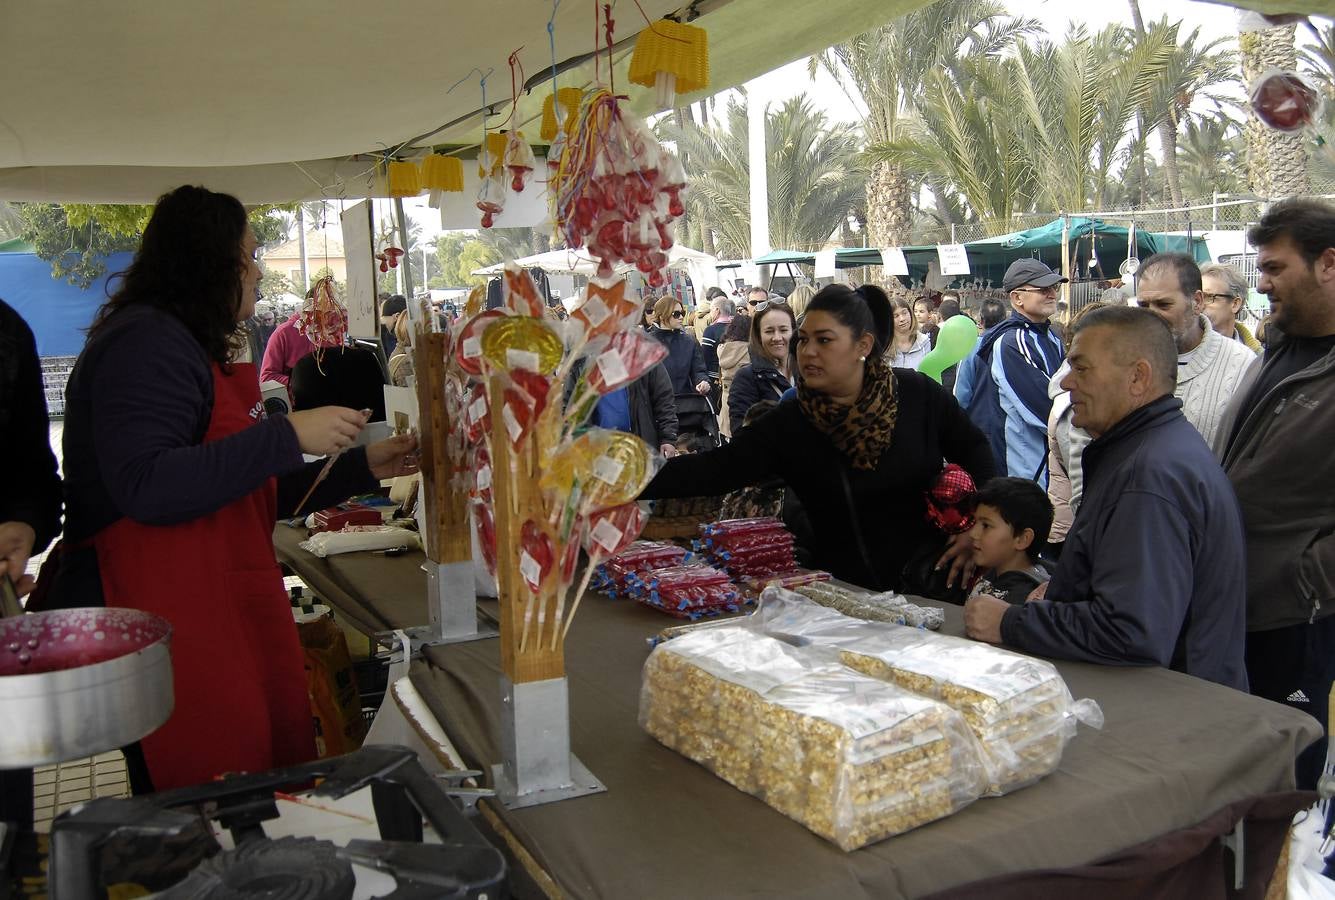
527,209
359,250
892,258
825,264
954,259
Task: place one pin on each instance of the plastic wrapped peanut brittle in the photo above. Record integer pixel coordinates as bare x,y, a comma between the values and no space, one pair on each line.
854,759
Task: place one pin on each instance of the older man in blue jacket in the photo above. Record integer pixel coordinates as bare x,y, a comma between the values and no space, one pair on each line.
1153,568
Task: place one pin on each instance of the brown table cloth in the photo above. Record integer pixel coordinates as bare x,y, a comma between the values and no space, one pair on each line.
1174,753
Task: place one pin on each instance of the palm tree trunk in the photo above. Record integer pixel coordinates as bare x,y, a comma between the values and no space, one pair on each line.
1168,147
1276,162
889,207
1136,17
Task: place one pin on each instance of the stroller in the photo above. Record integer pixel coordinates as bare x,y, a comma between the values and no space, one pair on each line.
697,423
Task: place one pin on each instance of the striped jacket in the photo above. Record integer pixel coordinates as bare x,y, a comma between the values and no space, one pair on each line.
1009,399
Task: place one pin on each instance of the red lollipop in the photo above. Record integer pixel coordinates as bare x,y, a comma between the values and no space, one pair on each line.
1285,101
486,534
535,555
612,530
477,414
628,356
468,347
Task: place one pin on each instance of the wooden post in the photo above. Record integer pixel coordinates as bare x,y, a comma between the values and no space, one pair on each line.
444,482
517,499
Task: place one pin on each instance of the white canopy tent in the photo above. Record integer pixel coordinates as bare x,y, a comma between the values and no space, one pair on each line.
299,100
701,267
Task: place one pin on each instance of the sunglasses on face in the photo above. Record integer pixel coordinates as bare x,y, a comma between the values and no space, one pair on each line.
679,314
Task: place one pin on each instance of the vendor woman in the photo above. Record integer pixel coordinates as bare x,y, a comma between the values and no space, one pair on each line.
860,445
174,479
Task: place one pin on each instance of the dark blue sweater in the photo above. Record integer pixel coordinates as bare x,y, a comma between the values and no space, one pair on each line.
1153,568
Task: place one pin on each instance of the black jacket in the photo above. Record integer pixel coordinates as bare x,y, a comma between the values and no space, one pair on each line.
753,383
865,525
30,491
685,363
653,412
709,342
1153,570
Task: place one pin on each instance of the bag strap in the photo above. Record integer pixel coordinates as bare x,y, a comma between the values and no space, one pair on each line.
1042,467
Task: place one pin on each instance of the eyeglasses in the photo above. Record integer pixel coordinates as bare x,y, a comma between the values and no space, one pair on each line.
679,314
1210,298
1050,289
767,304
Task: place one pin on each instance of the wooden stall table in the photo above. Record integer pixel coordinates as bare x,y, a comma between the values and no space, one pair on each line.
373,593
1175,753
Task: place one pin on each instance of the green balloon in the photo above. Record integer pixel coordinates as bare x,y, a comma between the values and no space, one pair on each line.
954,341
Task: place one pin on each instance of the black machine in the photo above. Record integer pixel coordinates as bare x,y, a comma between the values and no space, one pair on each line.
165,842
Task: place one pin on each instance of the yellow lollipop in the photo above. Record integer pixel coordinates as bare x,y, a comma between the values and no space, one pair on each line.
610,468
522,342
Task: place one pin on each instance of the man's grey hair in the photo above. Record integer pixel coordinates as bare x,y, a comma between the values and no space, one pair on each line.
1234,281
1138,334
724,306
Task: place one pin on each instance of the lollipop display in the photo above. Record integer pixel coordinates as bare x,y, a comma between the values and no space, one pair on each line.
522,342
616,191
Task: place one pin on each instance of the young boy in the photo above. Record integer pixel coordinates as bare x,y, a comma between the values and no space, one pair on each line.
1010,529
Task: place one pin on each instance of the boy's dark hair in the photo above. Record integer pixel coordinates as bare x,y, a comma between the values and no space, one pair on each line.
758,409
992,312
1022,504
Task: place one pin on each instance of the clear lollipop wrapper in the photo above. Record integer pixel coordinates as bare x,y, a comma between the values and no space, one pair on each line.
627,356
1286,101
522,342
468,344
520,293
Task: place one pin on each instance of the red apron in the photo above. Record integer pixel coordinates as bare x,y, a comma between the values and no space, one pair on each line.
241,698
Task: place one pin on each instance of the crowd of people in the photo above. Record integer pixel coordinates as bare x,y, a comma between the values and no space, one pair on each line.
1144,486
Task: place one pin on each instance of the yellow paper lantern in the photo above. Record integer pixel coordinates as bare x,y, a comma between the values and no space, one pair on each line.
569,98
403,181
492,155
671,58
443,173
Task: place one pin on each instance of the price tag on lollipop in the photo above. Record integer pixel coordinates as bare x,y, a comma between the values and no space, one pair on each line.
516,343
605,310
611,468
468,347
628,356
613,530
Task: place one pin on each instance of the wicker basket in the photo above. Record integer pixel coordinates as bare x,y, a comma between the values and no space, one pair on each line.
680,518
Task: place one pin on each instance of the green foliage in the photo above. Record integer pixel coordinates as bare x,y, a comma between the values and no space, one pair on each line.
273,284
815,179
76,238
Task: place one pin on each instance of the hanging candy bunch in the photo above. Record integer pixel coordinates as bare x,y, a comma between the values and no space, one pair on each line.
389,258
616,191
323,320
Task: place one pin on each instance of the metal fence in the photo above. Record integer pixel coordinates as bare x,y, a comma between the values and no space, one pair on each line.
55,374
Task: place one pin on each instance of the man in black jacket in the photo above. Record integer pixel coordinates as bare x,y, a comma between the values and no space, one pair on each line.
30,499
645,408
1153,568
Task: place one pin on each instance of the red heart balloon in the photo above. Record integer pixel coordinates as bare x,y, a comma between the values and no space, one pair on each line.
536,555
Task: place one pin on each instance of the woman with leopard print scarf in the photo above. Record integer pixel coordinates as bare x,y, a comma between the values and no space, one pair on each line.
860,446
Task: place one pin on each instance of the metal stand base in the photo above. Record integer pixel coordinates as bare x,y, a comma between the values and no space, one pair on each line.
451,606
583,782
537,766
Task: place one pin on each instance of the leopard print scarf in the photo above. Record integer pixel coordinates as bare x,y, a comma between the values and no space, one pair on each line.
861,431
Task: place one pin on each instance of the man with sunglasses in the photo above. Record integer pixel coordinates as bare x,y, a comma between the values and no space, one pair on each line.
755,297
1015,361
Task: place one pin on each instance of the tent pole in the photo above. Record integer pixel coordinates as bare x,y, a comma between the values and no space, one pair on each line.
1066,259
403,236
301,243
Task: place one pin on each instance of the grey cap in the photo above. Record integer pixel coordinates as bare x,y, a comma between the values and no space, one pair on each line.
1029,271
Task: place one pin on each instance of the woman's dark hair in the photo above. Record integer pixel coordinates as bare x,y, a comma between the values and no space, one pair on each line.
757,345
188,264
862,311
739,329
714,293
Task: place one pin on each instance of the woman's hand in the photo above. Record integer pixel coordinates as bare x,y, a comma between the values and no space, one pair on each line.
959,556
703,387
393,456
16,540
328,429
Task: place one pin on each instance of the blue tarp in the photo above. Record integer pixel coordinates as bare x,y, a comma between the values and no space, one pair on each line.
56,311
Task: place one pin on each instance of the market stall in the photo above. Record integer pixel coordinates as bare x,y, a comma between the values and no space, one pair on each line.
1174,752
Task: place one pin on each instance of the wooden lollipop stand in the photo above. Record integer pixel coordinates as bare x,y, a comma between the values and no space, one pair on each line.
537,765
451,596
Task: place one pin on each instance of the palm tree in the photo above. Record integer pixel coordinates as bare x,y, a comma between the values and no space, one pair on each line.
814,177
1211,156
1276,161
967,136
1078,99
1191,70
884,71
